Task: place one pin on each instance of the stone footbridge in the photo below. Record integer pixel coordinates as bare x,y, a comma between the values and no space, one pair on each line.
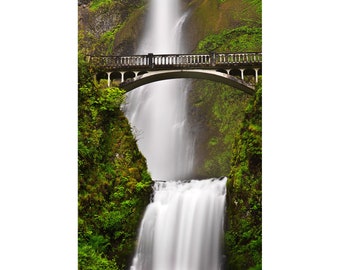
239,70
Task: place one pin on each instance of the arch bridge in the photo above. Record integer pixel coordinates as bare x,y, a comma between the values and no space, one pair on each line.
239,70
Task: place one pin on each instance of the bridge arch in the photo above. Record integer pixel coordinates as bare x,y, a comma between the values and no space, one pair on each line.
235,69
212,75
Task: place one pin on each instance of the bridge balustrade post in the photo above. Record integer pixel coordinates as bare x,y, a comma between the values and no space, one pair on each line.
230,58
221,58
236,56
249,58
253,58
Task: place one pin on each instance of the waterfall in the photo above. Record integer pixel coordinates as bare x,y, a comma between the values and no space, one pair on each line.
183,225
182,228
157,112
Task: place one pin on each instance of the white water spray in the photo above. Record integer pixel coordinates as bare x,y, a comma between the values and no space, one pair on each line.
182,228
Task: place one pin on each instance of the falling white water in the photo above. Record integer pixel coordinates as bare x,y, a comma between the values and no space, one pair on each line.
182,228
157,111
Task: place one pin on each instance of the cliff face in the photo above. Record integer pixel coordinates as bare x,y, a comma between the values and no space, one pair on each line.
111,28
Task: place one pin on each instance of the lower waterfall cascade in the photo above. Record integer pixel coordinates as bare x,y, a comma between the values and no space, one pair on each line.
182,228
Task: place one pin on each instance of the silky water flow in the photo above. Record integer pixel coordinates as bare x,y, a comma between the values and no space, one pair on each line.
182,227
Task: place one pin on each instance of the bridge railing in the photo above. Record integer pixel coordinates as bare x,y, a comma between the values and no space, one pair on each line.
243,58
164,61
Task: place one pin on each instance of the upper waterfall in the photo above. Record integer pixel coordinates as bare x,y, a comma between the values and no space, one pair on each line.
157,112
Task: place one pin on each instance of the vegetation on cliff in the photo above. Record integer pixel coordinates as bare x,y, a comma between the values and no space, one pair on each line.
243,236
114,185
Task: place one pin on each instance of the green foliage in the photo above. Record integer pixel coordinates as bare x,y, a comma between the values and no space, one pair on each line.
90,259
241,39
243,237
113,185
